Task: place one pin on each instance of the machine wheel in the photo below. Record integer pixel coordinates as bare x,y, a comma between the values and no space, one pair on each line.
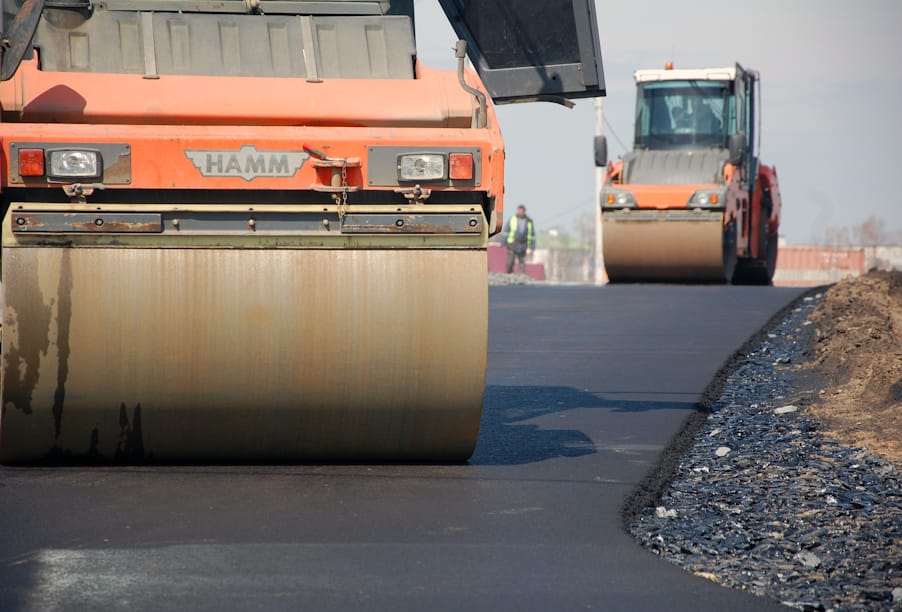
759,271
730,259
772,248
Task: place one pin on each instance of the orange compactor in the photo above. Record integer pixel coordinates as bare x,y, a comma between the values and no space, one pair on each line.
256,229
691,201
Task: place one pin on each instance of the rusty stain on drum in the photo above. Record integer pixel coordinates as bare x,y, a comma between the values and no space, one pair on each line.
131,436
93,444
63,318
25,310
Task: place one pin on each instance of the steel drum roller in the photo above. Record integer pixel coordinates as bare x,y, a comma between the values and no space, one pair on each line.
267,354
657,246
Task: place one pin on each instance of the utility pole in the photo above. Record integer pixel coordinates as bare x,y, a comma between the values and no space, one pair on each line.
600,276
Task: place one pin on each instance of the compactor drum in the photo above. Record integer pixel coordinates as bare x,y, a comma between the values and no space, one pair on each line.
691,202
212,250
135,352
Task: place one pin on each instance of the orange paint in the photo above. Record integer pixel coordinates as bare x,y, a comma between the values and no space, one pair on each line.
160,119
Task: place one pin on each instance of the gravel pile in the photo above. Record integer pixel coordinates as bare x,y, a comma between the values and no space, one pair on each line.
763,501
500,278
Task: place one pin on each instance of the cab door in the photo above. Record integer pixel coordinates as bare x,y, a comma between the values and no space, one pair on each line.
526,50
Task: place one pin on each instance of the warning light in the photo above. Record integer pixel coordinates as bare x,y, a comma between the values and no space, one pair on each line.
460,166
31,162
668,66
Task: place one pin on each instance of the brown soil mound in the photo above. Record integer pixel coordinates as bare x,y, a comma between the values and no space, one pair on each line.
858,358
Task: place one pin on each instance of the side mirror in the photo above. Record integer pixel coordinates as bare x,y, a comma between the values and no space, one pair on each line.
601,151
737,145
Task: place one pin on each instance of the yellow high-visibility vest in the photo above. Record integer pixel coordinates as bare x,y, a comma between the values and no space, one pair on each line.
512,231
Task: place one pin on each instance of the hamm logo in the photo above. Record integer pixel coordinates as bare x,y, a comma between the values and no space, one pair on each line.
248,163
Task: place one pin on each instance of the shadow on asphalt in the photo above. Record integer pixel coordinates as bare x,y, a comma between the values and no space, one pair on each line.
506,436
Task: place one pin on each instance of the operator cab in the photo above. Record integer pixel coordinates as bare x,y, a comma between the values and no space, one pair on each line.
684,113
709,109
678,109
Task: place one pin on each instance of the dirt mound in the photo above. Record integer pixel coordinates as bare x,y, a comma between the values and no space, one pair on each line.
858,358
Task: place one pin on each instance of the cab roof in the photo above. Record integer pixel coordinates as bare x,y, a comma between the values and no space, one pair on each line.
687,74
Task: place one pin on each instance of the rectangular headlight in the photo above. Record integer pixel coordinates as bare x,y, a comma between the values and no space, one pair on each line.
421,167
618,198
705,197
74,163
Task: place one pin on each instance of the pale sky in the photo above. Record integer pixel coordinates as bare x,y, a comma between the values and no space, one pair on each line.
831,78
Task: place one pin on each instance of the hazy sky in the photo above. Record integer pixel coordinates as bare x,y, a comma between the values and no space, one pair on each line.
831,77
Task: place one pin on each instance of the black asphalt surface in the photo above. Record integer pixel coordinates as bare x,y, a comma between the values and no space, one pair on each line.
586,388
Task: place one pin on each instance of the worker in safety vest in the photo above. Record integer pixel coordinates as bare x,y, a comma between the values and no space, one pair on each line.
519,238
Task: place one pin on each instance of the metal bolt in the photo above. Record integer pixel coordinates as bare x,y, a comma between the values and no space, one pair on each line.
176,223
20,220
473,222
399,223
98,221
326,223
251,223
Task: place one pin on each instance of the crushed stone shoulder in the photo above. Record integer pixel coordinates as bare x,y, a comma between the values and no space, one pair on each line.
755,495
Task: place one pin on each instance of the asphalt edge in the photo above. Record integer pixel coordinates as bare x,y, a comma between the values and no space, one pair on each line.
650,489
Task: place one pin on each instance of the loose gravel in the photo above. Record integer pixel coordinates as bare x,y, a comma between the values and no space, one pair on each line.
501,278
764,501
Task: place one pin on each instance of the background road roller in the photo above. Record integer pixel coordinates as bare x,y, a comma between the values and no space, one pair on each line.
256,230
691,202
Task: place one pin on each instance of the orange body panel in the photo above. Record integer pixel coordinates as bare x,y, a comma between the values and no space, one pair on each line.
162,118
159,160
433,99
664,196
653,196
769,174
668,197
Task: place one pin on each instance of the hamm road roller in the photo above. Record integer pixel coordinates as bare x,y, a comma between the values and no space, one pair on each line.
254,230
691,202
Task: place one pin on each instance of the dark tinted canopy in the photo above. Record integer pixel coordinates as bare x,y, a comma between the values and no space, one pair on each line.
528,49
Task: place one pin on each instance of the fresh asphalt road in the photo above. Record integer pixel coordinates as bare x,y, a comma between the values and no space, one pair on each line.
586,386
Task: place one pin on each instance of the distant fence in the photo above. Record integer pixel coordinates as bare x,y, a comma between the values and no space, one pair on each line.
883,257
803,266
809,266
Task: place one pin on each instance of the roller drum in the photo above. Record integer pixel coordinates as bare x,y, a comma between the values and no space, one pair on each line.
664,246
242,355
